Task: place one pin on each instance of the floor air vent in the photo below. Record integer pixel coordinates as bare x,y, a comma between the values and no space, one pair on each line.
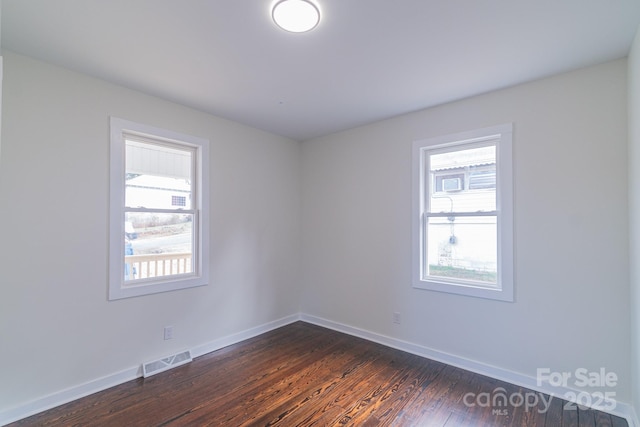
160,365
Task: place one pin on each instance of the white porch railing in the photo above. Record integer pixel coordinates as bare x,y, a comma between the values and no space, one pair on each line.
156,265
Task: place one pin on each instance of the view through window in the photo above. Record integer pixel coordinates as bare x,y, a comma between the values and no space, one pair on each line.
461,216
158,209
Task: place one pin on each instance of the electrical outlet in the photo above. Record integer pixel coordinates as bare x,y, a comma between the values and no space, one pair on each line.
396,318
168,332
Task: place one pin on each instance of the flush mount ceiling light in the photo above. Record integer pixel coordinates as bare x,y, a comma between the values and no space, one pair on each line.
296,16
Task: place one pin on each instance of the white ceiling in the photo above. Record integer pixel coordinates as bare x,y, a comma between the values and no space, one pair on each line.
367,60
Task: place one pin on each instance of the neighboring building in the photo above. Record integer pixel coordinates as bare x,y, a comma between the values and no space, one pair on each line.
158,191
464,181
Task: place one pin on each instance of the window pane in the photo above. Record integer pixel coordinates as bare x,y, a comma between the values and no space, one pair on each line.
158,244
462,248
157,176
463,180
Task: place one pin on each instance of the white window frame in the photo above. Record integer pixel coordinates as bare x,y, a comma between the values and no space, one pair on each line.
504,288
200,199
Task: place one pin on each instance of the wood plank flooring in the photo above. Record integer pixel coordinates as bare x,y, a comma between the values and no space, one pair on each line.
305,375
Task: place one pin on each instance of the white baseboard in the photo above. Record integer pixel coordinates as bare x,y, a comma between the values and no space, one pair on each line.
244,335
76,392
59,398
622,409
68,395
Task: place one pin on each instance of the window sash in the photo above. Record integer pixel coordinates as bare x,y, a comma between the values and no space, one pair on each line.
429,184
431,176
425,265
194,251
157,210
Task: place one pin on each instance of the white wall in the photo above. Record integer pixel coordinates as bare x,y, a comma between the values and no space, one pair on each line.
572,294
57,329
634,212
1,68
572,298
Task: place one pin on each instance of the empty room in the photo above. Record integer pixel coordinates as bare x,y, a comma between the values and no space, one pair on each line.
320,212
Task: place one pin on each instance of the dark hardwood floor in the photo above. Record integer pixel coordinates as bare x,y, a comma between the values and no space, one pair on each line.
305,375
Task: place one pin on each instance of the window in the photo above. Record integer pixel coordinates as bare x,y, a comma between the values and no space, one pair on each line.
463,213
178,201
158,240
447,181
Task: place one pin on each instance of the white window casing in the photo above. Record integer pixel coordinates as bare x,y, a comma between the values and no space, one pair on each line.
177,158
462,231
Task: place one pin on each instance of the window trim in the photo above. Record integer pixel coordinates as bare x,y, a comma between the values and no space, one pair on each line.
200,276
504,289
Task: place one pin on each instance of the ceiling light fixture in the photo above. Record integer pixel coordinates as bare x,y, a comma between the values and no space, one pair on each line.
296,16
